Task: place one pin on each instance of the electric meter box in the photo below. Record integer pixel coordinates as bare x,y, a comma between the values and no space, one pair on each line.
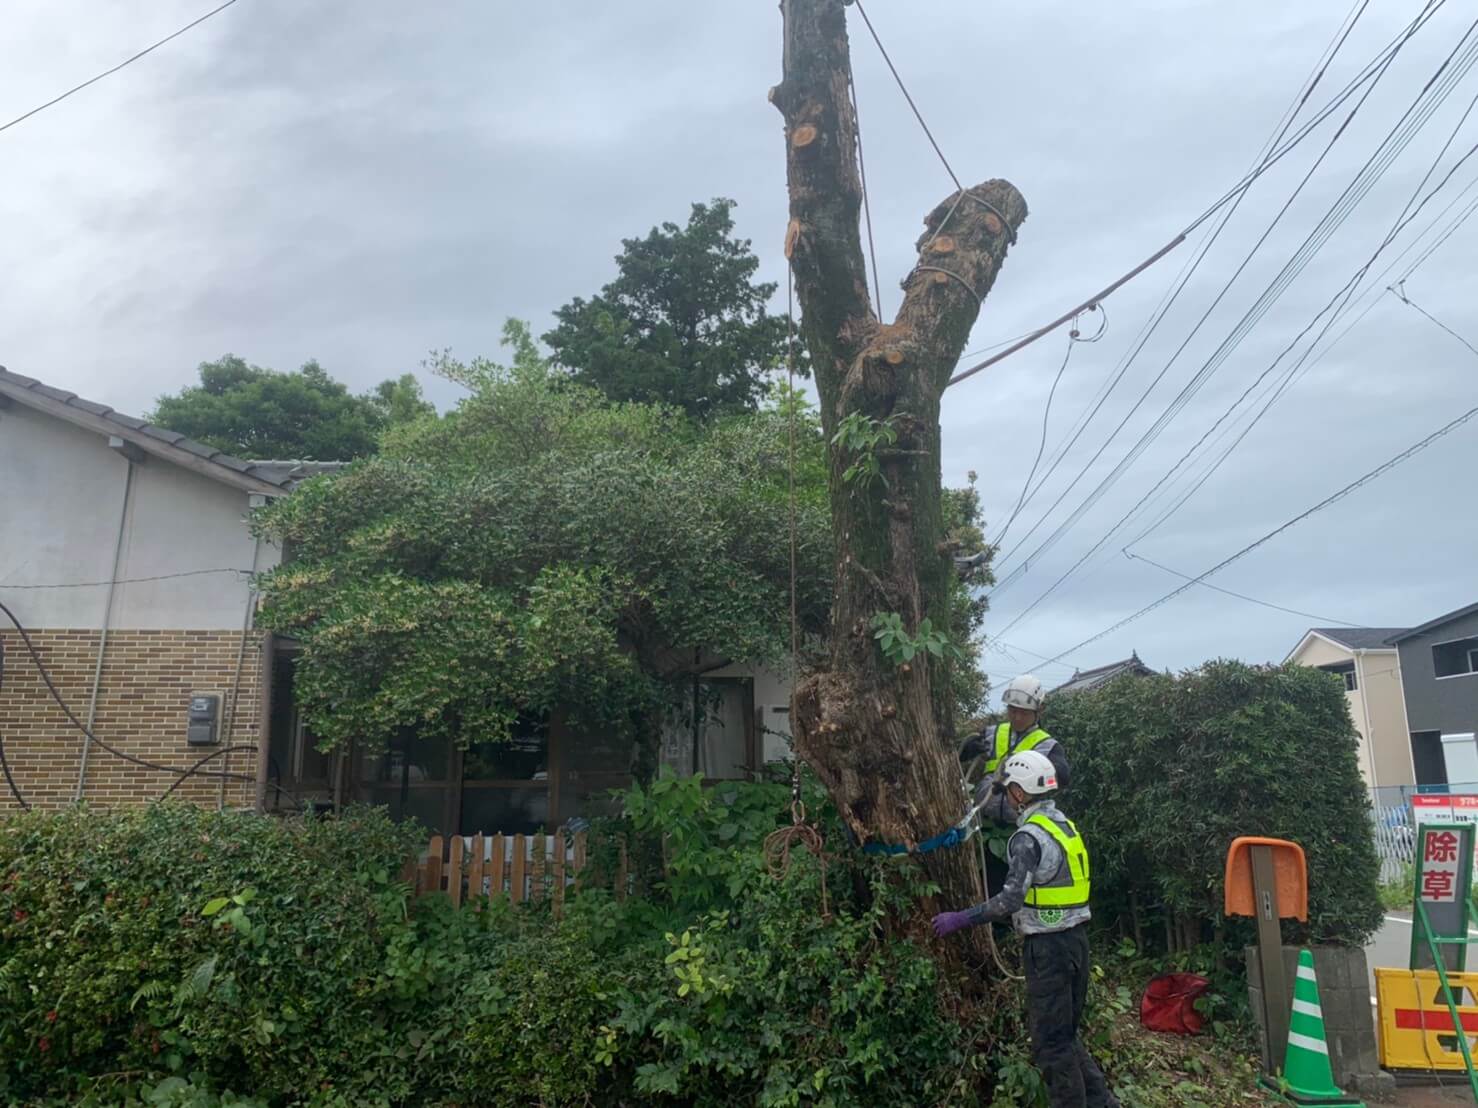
203,728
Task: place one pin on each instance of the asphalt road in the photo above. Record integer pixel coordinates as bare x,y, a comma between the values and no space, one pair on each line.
1391,946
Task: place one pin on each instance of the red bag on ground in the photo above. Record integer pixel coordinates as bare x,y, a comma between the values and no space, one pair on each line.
1169,1003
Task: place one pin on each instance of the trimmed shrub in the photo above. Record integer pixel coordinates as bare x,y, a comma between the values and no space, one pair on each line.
247,953
1168,771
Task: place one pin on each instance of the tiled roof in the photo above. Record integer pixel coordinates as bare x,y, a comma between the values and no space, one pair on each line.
1086,679
1360,638
281,475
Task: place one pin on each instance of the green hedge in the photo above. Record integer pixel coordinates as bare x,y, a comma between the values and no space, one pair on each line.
1168,771
171,956
255,954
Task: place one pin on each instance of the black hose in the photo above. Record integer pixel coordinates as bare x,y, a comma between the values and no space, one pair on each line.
183,774
80,726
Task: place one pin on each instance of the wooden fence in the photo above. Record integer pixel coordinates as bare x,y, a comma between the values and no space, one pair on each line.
524,868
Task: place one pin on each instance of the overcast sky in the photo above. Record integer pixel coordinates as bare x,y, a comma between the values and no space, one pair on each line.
360,183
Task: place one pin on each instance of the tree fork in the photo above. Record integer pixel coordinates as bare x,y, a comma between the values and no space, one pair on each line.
875,733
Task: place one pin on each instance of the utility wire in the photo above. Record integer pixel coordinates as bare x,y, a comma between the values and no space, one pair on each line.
126,580
1343,297
1320,68
877,287
1375,167
116,68
1358,188
1238,595
1241,187
1074,337
903,88
1400,290
1373,294
1384,467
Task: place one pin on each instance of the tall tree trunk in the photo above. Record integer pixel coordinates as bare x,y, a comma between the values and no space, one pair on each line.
875,732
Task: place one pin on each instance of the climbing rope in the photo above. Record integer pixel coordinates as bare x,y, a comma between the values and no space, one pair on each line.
780,842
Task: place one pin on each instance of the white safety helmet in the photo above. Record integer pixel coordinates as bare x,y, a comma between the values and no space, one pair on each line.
1024,692
1032,770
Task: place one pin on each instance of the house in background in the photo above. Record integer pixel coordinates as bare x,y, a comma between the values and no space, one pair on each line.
1364,659
1439,670
1086,680
125,553
551,772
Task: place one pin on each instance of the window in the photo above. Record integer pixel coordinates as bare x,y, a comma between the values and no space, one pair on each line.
1455,659
1345,670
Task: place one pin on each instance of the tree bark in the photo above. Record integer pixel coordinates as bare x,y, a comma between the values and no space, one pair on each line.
875,732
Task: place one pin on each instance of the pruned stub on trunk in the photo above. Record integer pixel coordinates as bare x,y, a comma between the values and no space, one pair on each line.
875,730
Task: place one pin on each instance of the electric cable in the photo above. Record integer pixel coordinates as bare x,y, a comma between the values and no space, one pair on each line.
109,72
1396,140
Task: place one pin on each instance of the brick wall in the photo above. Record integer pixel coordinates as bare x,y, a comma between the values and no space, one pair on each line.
148,677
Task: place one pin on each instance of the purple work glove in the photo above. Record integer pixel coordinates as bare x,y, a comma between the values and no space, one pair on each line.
947,923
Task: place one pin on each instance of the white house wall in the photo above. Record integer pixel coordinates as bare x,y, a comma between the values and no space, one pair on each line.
62,491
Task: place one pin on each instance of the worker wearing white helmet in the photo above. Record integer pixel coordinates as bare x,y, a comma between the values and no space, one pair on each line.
1045,895
1024,698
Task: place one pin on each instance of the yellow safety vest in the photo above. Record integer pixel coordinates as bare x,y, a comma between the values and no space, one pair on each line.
1072,883
1032,739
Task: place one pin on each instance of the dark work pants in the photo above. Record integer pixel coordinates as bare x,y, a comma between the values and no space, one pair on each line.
1057,970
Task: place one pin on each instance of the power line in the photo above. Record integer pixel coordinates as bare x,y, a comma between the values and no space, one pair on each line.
1240,188
1347,292
877,287
1238,595
1391,463
126,580
1373,293
903,88
1400,290
1415,117
1342,207
1001,646
1072,340
1320,67
116,68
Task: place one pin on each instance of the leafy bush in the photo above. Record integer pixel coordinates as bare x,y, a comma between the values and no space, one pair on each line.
171,957
242,952
1168,771
535,1017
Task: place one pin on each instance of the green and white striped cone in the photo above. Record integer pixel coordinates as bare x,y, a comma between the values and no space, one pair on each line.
1307,1078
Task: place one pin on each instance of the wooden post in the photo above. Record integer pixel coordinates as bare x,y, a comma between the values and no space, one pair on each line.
538,850
474,875
516,889
433,865
454,871
559,873
499,847
1277,1000
621,868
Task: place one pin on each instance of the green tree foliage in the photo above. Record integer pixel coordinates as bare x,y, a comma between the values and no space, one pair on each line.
252,412
541,547
1168,771
684,323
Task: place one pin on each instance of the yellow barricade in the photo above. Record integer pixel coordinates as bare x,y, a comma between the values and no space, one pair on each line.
1416,1031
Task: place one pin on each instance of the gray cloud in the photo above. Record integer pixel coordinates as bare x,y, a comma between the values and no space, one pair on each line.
361,184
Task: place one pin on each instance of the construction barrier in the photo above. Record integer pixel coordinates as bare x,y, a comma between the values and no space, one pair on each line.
1416,1026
